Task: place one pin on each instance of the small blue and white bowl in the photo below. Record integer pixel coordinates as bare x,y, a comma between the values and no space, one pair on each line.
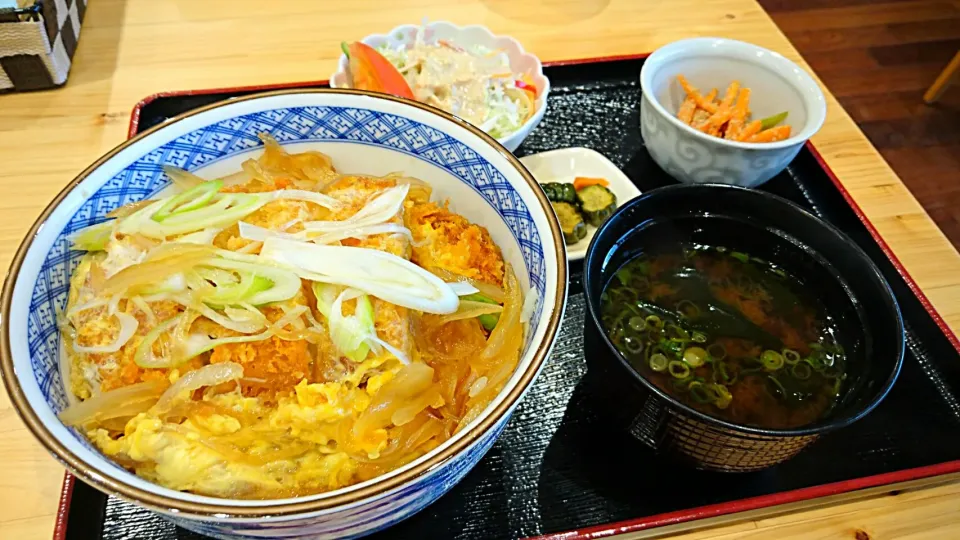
363,133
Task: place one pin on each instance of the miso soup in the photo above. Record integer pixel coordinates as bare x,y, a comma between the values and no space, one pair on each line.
727,334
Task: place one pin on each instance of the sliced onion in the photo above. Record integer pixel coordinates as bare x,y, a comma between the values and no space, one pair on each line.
209,375
245,313
469,309
237,179
259,234
128,327
163,262
362,232
143,306
509,321
198,343
144,356
66,367
380,209
490,291
129,209
325,201
205,236
462,288
409,382
289,317
109,404
92,238
477,387
400,355
529,305
249,326
95,303
182,179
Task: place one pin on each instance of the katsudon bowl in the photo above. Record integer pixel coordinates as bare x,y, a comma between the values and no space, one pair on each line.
363,133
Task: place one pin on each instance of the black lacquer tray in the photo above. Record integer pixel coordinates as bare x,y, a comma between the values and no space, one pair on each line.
558,467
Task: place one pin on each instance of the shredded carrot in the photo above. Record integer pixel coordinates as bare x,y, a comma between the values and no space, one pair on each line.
691,91
739,115
749,130
773,134
581,182
726,118
685,114
725,110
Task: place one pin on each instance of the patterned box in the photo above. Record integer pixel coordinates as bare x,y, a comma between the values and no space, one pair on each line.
37,43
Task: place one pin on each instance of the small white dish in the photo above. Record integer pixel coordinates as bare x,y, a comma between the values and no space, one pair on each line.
520,62
777,85
566,164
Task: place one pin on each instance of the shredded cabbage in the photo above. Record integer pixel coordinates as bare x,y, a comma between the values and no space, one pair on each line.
447,75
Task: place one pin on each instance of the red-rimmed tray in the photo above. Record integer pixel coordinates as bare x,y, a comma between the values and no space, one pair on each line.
556,472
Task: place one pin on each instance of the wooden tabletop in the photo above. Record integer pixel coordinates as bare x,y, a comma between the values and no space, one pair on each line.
131,48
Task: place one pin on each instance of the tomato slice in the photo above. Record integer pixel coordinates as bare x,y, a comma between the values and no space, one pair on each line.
371,71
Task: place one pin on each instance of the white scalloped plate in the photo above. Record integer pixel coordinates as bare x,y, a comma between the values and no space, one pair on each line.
520,61
565,164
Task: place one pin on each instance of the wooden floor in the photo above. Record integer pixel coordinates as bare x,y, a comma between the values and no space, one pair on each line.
878,57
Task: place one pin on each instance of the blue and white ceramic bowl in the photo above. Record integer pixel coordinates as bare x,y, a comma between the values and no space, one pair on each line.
363,133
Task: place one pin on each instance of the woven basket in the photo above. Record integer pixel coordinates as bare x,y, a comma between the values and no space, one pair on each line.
37,44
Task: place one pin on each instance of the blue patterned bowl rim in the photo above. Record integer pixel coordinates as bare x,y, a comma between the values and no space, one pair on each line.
45,246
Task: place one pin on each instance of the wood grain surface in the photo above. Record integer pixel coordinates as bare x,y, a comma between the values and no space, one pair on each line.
878,65
131,48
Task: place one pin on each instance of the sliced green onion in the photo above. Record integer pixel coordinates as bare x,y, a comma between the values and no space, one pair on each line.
633,345
814,362
742,257
637,323
772,360
801,371
678,369
688,309
489,320
672,347
790,356
144,356
349,333
654,322
345,48
699,392
831,372
717,351
258,284
783,391
724,397
721,369
92,238
773,120
698,337
378,273
624,276
191,199
695,356
677,333
658,362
